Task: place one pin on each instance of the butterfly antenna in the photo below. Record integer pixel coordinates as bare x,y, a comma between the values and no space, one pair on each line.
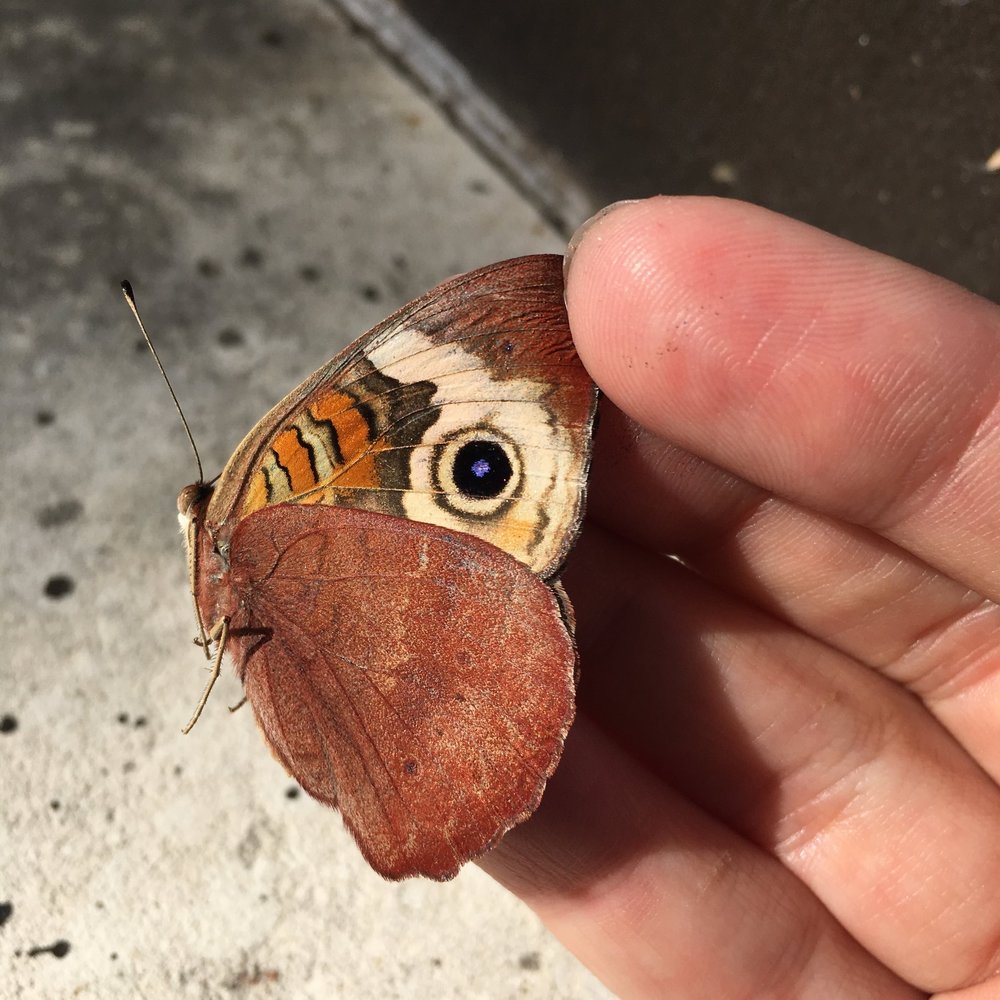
130,299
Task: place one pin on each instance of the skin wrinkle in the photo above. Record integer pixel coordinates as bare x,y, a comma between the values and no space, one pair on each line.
785,977
792,354
919,494
967,463
825,809
960,678
865,579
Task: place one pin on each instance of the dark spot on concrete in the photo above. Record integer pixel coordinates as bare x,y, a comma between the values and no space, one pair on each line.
140,721
123,718
109,815
251,257
292,792
6,909
370,293
44,417
178,769
251,977
55,805
8,724
208,268
128,767
436,962
410,767
531,961
272,38
230,337
479,186
99,904
58,513
139,346
310,273
400,262
249,847
60,949
113,956
58,586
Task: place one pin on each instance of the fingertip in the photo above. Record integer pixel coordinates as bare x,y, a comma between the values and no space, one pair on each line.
626,285
655,288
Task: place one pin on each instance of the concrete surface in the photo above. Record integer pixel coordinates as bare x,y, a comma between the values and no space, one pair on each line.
876,121
272,188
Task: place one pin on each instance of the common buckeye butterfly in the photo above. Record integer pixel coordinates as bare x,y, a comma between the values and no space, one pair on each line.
380,557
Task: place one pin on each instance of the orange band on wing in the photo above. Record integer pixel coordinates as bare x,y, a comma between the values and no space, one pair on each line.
335,426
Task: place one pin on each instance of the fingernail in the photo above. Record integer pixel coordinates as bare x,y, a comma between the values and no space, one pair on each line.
574,240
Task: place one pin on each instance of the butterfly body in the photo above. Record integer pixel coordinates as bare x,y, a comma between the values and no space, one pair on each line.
383,551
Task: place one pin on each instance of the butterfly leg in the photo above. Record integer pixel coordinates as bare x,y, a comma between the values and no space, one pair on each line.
219,634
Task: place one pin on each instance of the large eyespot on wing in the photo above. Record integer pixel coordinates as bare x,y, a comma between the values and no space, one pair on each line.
421,680
507,456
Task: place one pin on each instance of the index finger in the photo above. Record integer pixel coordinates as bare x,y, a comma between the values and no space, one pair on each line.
838,378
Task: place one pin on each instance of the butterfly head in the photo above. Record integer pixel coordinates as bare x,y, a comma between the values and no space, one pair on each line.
191,501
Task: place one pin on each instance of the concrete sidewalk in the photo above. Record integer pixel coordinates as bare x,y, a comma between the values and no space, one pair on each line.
272,188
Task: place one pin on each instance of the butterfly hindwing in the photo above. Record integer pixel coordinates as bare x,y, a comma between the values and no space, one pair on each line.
421,682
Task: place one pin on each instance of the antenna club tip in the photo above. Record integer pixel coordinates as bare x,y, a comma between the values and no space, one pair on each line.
127,288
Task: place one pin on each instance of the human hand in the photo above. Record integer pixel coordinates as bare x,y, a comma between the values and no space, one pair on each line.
782,781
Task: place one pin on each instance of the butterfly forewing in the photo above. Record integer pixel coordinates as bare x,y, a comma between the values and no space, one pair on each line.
479,374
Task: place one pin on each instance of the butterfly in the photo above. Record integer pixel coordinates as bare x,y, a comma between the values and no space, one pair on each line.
380,558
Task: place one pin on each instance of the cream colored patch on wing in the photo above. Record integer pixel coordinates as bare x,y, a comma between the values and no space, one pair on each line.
533,524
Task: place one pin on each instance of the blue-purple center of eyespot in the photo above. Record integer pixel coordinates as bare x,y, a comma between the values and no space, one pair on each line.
482,469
